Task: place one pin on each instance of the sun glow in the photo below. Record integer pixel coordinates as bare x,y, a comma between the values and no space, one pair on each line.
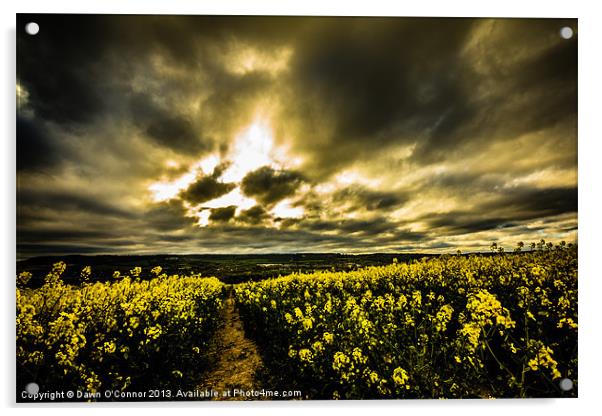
164,191
241,59
202,217
252,149
234,197
22,96
208,164
285,209
350,177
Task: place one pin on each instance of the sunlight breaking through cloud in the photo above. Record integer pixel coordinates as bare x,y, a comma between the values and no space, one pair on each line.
295,133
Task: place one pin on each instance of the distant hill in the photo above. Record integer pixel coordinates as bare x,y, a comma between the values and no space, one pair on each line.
230,268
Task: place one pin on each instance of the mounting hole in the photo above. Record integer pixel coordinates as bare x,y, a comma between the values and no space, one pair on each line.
566,32
32,388
566,384
32,28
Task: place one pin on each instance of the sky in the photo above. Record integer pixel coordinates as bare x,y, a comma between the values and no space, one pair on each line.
239,134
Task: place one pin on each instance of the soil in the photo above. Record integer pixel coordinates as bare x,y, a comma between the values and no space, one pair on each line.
235,357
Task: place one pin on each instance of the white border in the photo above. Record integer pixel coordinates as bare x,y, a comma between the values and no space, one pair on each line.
590,68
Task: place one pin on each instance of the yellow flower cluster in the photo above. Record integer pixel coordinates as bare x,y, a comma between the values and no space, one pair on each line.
472,331
453,326
340,361
567,322
443,317
484,306
400,377
115,334
23,278
543,358
86,273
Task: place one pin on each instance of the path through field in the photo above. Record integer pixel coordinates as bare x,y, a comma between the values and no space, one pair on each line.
235,357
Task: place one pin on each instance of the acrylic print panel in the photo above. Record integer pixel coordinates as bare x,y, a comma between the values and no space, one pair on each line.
293,208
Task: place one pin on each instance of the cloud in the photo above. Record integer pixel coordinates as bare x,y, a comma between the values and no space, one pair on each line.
531,203
222,214
35,149
432,90
67,201
506,210
206,188
362,198
254,215
165,127
376,96
269,185
385,133
72,93
168,216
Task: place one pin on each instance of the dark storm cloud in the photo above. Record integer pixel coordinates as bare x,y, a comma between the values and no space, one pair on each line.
527,202
104,108
417,82
536,92
254,215
222,214
381,81
459,181
220,169
270,186
369,227
165,127
62,201
400,235
363,198
35,146
81,68
510,205
457,222
365,227
205,189
60,67
167,216
419,85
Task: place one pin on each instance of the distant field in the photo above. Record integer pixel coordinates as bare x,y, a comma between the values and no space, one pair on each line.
228,268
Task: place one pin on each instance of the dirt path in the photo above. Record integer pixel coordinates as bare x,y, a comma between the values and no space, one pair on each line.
235,357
